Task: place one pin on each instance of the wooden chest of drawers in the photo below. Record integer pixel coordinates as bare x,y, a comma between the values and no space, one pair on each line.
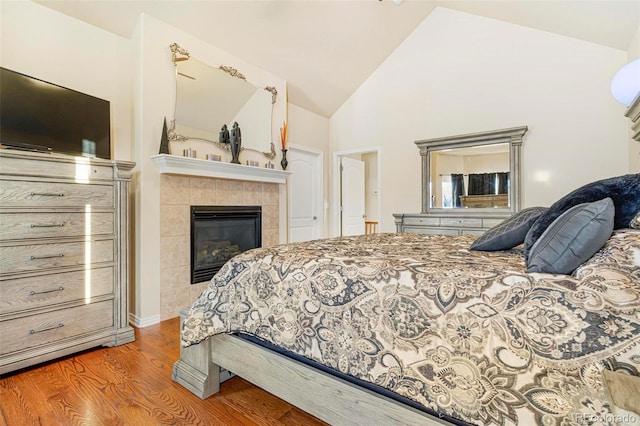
63,256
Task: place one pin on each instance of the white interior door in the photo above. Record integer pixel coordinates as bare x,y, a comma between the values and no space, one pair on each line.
352,196
306,220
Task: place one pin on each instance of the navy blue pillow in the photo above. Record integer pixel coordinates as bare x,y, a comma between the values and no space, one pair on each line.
509,233
624,191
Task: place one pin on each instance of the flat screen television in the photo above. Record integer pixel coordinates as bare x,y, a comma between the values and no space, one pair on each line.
42,116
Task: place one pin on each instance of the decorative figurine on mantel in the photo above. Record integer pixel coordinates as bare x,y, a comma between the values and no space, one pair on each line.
235,141
224,135
283,138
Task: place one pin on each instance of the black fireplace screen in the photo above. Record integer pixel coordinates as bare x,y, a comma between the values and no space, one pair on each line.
218,233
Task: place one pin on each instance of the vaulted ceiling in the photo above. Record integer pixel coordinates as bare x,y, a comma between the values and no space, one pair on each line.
326,48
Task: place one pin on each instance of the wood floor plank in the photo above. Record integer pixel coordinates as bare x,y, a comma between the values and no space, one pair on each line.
15,406
137,389
297,417
92,385
65,403
250,400
131,385
154,387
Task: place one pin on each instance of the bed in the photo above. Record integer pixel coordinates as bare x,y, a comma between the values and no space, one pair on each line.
418,329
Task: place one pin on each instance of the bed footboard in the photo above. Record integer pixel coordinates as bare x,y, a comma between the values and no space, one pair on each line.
195,370
325,396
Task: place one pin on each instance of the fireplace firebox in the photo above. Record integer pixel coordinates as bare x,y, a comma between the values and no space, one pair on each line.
218,233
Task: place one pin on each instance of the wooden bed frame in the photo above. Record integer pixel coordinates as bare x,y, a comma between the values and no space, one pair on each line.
327,397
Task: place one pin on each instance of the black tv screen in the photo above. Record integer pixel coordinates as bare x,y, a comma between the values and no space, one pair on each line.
42,114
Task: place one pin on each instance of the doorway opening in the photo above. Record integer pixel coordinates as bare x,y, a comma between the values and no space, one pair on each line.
357,200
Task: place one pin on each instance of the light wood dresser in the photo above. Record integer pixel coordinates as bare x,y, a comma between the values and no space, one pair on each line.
64,247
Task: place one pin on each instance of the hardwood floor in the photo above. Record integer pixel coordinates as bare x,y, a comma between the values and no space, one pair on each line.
131,385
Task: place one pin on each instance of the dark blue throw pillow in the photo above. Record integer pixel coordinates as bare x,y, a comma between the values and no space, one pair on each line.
509,233
624,191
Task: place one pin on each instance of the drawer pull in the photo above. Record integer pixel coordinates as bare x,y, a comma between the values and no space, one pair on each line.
46,225
47,194
40,330
33,293
46,257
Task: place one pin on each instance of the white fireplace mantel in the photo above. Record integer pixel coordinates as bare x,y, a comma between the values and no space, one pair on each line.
216,169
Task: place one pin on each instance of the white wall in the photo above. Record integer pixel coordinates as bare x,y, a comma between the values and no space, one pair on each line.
459,73
42,43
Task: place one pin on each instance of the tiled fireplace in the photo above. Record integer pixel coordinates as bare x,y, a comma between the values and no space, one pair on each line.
177,194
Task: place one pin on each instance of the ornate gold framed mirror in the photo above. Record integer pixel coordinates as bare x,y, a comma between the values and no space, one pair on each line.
207,98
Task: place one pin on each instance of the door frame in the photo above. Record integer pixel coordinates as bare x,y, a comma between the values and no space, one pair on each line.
335,201
320,193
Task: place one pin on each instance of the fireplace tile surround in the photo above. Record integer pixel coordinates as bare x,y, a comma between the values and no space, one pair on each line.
177,194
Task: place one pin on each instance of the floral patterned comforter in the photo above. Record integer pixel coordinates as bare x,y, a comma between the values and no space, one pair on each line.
467,334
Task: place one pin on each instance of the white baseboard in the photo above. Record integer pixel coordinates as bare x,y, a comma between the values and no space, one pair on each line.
138,322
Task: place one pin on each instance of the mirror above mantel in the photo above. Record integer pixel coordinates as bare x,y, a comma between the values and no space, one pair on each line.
209,97
478,172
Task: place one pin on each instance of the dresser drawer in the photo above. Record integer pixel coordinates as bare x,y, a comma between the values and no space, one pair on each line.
421,221
28,332
461,222
34,257
80,169
17,193
14,226
431,231
35,292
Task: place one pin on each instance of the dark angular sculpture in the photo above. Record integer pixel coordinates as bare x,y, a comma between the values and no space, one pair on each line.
164,141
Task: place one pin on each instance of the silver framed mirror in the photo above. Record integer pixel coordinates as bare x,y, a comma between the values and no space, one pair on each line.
476,172
209,97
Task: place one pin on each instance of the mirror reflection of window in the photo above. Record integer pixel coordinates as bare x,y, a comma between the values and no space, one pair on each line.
464,177
488,183
447,192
